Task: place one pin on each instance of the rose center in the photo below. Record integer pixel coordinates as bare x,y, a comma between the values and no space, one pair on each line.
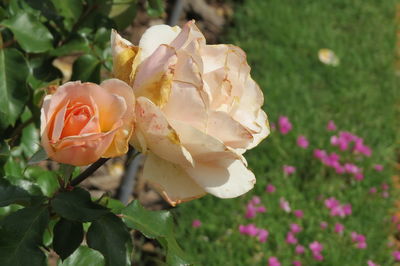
77,117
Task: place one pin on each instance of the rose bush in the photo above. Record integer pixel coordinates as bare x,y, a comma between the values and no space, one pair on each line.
82,122
197,111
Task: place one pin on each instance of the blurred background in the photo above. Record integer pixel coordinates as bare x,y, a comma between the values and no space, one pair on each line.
327,176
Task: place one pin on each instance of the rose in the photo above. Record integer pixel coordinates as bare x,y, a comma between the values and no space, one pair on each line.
82,122
197,110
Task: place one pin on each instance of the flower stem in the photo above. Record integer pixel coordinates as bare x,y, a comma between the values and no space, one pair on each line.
89,171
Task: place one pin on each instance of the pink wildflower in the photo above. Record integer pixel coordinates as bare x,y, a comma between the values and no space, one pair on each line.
371,263
284,125
318,256
385,186
362,245
396,255
331,202
262,235
251,211
339,228
298,213
291,238
270,188
319,154
284,204
273,261
323,225
295,228
296,263
378,167
288,169
372,190
302,142
385,194
331,126
249,229
347,209
299,249
196,223
359,176
316,246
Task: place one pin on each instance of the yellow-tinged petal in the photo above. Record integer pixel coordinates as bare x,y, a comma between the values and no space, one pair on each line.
120,145
170,180
126,57
154,76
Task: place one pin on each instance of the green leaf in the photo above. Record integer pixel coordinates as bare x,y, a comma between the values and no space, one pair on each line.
66,171
75,45
84,256
68,235
32,35
10,194
70,10
13,167
122,12
110,236
86,68
114,205
152,224
42,72
13,90
45,179
76,205
30,140
155,8
156,224
21,235
39,156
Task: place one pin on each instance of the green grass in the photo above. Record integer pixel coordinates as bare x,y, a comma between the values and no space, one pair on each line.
282,39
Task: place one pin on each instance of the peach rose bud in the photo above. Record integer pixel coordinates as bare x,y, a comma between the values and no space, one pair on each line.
82,122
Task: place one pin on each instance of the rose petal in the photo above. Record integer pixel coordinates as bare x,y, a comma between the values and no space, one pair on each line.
160,137
203,147
126,57
186,105
154,76
223,127
227,179
79,150
262,121
156,35
120,145
170,180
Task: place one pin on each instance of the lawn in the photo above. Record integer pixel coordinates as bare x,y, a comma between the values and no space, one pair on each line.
282,40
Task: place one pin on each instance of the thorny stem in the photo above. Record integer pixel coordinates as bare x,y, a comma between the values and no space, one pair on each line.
89,171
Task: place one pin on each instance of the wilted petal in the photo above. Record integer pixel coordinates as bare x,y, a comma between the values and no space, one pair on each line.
170,180
262,121
160,137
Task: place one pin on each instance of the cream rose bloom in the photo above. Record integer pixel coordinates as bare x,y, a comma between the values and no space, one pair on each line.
197,111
